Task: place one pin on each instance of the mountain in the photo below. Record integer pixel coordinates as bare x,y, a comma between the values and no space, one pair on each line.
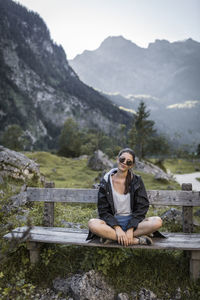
165,70
38,88
166,76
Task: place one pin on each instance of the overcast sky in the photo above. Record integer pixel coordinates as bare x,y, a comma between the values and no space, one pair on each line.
83,24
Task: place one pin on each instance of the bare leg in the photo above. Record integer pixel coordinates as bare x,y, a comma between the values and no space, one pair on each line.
100,228
147,226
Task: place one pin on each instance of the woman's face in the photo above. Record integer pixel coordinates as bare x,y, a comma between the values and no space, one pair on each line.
125,162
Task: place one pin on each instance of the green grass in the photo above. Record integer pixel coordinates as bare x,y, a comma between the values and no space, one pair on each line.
198,179
65,172
181,166
126,270
153,184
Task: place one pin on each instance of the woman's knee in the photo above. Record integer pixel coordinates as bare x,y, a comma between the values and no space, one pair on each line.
157,221
94,223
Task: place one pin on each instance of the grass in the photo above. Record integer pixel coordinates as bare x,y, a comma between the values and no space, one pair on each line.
65,172
182,166
161,271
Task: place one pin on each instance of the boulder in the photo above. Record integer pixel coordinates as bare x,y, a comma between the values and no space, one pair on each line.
149,168
145,294
197,213
161,177
172,215
122,296
99,161
62,285
91,285
17,166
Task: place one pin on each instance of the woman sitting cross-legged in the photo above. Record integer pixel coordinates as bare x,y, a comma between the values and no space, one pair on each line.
122,206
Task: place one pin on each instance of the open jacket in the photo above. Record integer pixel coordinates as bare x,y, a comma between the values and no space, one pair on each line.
138,198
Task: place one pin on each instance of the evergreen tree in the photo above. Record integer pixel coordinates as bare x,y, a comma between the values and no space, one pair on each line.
141,131
70,139
132,136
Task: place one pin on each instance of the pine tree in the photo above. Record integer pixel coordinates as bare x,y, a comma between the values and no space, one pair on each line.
141,131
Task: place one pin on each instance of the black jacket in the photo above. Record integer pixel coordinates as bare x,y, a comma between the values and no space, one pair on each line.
138,196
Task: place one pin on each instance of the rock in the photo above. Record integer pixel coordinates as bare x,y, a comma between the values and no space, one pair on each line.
99,161
122,296
91,285
95,185
172,215
150,168
62,285
17,166
170,187
197,213
134,295
161,177
19,199
71,224
178,294
145,294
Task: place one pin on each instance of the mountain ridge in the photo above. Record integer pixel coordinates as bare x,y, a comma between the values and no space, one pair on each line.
38,88
163,69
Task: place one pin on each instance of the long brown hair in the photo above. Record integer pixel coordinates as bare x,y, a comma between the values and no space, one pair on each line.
129,175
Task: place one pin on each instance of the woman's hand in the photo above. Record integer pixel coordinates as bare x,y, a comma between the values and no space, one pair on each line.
121,236
129,235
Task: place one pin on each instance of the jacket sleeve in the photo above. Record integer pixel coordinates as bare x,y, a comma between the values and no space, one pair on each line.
104,207
140,206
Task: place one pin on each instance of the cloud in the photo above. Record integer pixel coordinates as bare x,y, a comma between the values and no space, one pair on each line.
186,104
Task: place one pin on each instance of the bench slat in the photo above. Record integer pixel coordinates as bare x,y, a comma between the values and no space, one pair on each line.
174,241
156,197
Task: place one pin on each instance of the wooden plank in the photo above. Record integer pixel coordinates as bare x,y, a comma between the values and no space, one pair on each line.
48,213
187,211
156,197
56,235
195,265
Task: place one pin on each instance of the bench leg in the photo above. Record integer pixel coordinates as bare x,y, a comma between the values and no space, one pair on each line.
195,265
34,250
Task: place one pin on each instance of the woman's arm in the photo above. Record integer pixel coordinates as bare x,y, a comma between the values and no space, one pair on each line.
104,207
140,206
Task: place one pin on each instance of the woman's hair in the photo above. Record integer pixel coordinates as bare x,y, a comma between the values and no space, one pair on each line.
129,174
127,150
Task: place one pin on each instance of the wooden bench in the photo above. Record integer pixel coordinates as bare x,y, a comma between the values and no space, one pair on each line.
50,234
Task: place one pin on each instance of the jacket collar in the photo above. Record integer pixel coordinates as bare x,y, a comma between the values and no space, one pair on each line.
135,179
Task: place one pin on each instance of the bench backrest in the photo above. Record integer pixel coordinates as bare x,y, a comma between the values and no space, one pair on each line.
50,195
156,197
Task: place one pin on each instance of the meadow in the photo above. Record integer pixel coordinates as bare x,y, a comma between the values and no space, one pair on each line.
160,271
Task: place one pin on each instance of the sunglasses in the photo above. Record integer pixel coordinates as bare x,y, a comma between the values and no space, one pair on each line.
128,162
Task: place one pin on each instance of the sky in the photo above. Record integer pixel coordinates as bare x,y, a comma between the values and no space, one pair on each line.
80,25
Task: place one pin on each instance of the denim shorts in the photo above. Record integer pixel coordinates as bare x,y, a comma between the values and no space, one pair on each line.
123,221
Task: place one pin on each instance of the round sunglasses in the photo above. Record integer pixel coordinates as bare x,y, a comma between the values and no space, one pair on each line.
128,162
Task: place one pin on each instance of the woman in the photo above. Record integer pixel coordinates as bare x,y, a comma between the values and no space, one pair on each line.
122,206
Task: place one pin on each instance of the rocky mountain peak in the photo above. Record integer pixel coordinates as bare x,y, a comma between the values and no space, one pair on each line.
38,88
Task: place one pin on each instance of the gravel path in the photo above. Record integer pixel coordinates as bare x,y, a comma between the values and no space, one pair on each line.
189,178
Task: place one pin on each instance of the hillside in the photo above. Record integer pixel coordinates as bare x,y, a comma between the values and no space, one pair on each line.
38,88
